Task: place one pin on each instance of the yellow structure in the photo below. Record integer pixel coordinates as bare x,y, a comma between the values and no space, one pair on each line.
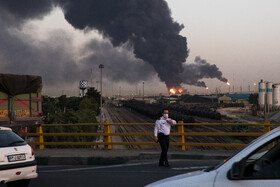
224,99
180,134
244,101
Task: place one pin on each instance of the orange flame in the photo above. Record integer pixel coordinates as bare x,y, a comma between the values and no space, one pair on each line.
172,91
206,88
228,83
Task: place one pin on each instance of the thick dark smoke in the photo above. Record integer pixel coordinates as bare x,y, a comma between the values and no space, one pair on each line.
145,27
14,12
54,58
146,24
49,59
120,63
199,70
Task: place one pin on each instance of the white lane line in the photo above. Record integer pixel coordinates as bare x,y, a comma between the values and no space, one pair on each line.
194,167
50,166
99,167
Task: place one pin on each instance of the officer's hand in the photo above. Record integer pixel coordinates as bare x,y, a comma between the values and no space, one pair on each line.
156,139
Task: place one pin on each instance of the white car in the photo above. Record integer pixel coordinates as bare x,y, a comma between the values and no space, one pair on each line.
17,160
257,164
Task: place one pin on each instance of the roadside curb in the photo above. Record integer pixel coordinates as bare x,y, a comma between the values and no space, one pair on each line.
99,160
82,160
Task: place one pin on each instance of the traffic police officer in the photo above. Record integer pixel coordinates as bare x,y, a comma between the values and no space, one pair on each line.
161,133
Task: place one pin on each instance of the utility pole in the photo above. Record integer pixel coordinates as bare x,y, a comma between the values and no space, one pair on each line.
90,77
97,82
101,66
265,102
143,90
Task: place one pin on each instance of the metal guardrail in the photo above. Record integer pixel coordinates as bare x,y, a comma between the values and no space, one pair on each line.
40,143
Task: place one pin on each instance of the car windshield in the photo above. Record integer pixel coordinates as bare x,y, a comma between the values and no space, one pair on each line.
9,139
252,158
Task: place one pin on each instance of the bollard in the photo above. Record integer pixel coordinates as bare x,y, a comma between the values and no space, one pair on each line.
181,138
267,128
107,139
40,138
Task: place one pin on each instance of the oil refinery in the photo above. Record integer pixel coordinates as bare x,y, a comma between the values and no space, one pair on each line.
269,96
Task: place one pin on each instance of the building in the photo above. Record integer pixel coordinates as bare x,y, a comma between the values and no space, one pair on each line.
234,98
224,99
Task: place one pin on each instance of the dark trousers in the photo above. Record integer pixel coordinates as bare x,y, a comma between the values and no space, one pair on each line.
164,144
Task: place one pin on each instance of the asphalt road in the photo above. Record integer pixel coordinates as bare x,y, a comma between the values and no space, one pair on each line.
131,174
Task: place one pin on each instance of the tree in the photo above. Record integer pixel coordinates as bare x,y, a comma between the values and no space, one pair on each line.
63,110
86,103
62,102
48,105
73,103
94,95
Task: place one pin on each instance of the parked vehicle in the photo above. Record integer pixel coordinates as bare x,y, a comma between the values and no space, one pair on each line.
258,164
17,160
20,102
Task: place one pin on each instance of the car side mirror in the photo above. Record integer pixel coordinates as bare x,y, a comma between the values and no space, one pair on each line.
235,173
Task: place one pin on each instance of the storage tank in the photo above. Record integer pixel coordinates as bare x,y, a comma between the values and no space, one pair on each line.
276,96
269,95
262,90
83,86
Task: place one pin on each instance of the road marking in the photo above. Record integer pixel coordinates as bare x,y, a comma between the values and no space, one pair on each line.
194,167
98,167
50,166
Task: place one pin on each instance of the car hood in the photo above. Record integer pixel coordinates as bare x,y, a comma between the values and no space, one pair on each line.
193,179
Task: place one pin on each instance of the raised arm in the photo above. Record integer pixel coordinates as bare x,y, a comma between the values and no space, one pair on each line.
172,122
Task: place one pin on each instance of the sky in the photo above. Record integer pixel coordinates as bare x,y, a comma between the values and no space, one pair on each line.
241,37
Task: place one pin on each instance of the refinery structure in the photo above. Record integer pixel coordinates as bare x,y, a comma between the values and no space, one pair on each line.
269,96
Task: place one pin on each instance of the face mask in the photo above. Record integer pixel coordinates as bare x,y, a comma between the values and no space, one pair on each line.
165,115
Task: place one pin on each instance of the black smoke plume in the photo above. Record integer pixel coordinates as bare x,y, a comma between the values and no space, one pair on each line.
199,70
14,12
144,25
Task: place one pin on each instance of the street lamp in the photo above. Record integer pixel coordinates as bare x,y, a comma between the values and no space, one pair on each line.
256,88
101,66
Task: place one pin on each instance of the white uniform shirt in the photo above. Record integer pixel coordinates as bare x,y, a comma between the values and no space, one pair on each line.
163,126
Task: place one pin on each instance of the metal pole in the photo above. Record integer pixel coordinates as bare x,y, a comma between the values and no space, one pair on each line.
91,77
143,90
265,106
120,90
97,85
101,66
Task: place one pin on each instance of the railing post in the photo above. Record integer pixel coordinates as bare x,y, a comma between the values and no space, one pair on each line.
107,139
181,138
40,138
267,128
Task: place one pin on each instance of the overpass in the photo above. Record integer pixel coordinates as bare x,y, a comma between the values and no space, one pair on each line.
89,156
